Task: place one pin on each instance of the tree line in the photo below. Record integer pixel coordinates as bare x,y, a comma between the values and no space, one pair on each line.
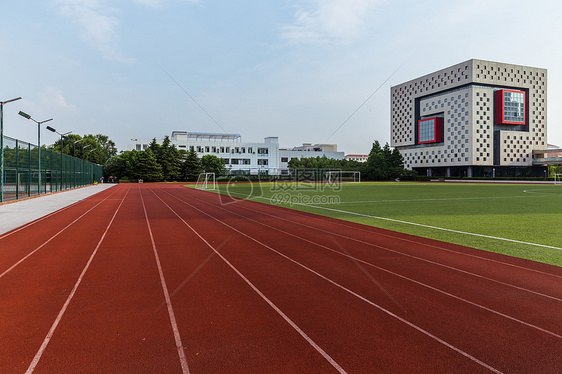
383,163
95,148
162,162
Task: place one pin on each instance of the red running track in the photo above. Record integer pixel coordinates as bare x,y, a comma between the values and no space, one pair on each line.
158,278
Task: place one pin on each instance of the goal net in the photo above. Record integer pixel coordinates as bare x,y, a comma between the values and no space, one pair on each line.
557,179
206,181
338,176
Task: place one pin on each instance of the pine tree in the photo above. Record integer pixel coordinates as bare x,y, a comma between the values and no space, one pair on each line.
147,168
169,159
191,166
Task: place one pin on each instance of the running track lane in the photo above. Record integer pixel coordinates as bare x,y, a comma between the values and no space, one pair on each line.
468,319
255,288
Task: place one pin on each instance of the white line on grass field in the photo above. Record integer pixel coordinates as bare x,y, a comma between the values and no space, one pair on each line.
415,224
443,199
544,192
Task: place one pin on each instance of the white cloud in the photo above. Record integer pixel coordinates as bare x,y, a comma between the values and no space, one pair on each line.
98,24
53,98
158,3
320,21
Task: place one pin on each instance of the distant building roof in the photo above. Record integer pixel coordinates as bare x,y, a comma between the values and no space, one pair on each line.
205,135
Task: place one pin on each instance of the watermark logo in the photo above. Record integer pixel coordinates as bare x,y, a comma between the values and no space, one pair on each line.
287,198
313,180
301,187
240,188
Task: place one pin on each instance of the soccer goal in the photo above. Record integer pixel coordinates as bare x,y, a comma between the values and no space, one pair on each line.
337,176
206,181
558,179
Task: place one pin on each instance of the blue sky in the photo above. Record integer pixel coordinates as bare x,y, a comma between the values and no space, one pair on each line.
296,69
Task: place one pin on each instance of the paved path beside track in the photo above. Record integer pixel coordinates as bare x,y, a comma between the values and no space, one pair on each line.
18,213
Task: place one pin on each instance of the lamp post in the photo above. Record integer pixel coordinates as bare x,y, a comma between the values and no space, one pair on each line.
2,146
39,123
83,158
90,166
74,147
74,160
61,144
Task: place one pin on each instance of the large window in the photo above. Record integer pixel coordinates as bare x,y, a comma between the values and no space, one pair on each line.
240,161
429,130
510,107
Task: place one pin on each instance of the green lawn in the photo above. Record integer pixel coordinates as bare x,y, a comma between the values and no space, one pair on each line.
515,212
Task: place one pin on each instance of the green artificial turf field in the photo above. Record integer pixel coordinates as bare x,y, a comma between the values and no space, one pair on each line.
525,220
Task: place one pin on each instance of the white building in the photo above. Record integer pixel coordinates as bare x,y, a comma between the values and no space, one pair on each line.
243,157
358,158
471,119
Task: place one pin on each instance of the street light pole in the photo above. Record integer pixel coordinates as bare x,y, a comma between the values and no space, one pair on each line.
83,158
61,144
90,166
74,160
39,123
2,146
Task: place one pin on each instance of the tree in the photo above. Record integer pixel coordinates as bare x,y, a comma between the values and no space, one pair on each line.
122,166
147,167
68,144
385,164
212,164
168,158
376,167
106,146
396,164
191,166
154,146
324,163
134,165
99,147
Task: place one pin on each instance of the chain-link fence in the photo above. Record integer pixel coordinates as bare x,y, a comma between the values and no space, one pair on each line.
28,170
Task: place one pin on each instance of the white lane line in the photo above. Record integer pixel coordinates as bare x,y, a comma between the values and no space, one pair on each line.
391,272
177,337
416,224
194,272
256,290
419,329
43,347
401,238
296,212
46,242
420,258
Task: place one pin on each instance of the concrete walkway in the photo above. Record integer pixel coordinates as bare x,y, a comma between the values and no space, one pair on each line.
16,214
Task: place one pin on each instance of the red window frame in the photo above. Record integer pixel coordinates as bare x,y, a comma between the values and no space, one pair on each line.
438,122
500,108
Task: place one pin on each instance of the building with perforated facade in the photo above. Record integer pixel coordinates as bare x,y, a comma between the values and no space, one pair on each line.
476,118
